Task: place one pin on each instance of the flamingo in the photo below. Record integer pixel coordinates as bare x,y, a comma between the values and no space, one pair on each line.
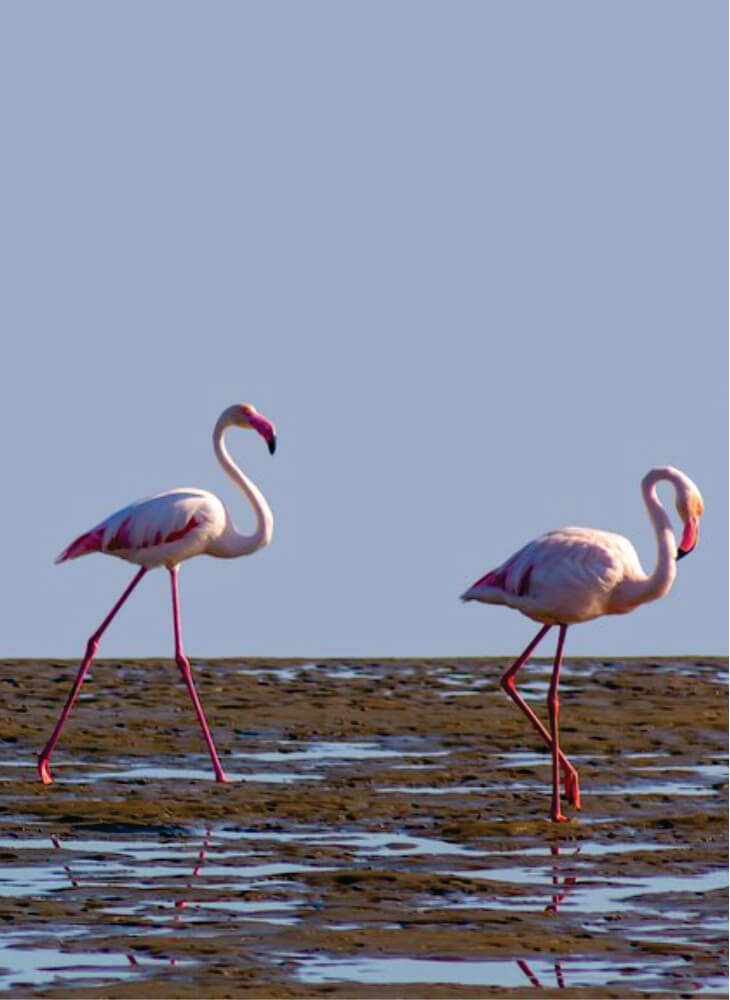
576,574
163,530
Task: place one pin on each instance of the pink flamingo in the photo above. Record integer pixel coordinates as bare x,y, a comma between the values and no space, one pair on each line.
164,530
575,574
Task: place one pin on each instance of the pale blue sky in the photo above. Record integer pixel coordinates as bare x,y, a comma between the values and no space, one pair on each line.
471,258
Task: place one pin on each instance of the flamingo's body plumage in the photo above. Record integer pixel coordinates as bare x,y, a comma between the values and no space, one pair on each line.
575,574
563,577
164,530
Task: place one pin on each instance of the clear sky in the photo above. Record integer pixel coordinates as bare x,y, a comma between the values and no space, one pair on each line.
471,258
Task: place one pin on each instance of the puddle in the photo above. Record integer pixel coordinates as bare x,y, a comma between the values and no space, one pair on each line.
639,787
39,880
327,752
591,895
539,972
258,909
23,962
588,849
152,772
525,758
447,789
295,672
360,841
713,772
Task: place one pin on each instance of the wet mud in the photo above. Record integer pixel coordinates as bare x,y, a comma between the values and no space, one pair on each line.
385,833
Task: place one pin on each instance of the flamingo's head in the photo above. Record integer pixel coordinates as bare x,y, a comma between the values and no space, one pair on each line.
246,415
690,508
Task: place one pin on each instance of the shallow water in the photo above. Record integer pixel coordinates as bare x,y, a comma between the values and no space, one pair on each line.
494,972
25,965
380,837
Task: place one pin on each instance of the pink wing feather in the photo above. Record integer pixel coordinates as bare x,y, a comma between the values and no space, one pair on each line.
92,541
512,577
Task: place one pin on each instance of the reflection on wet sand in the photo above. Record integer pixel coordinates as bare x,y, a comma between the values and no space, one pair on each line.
567,881
134,960
558,881
181,904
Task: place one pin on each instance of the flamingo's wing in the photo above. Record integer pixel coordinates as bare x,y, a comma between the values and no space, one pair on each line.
510,578
159,520
574,560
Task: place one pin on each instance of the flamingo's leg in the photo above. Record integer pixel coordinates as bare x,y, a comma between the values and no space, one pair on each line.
92,645
572,790
184,666
554,710
529,973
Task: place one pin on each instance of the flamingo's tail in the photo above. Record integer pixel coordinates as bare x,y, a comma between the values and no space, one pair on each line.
83,545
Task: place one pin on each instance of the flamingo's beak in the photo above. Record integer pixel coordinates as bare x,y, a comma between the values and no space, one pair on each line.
265,428
690,537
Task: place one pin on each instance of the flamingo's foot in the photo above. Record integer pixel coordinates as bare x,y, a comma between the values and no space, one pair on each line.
572,789
44,769
222,779
557,817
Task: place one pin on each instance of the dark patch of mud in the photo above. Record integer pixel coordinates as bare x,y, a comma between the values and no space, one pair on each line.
385,833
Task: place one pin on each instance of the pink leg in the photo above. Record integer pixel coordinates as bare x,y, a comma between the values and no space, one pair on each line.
572,790
554,710
529,973
184,666
92,645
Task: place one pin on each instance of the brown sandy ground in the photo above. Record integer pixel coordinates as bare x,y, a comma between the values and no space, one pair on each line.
429,840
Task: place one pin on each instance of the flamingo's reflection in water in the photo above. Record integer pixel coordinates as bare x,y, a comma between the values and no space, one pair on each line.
67,868
562,881
179,904
561,887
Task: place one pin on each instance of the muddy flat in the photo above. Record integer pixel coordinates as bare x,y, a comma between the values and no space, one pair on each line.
384,834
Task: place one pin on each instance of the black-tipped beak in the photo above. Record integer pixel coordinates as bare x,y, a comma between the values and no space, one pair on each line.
272,444
689,538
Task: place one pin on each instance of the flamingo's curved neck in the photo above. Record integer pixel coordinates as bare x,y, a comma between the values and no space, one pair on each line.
232,543
661,580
